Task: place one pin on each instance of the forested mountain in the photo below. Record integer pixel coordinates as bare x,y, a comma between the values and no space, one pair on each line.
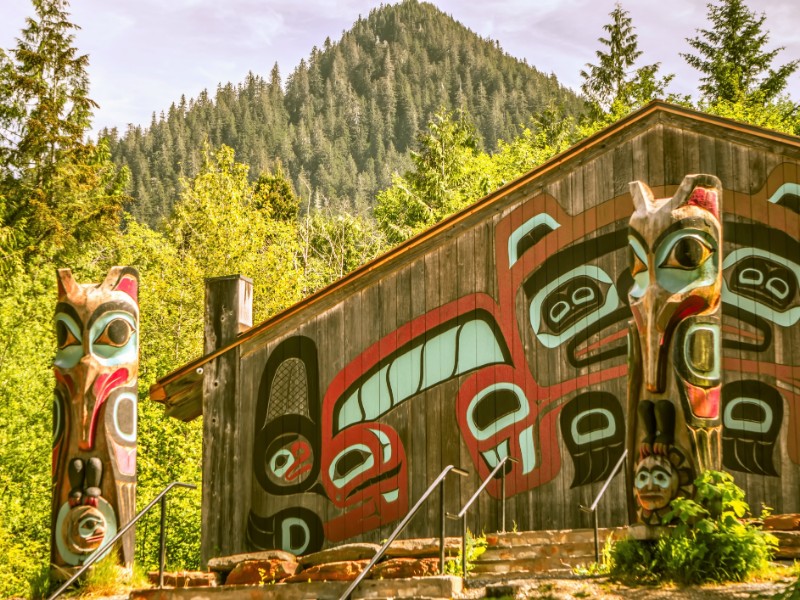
347,116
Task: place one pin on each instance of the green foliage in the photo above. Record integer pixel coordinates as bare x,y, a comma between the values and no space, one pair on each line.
26,391
710,541
598,568
475,546
274,193
332,245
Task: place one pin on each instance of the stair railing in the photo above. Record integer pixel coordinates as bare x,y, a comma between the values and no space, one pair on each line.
438,482
593,508
463,514
97,554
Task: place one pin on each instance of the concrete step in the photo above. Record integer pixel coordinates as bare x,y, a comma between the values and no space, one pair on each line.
421,588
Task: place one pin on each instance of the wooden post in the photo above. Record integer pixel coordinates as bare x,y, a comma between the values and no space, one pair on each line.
228,312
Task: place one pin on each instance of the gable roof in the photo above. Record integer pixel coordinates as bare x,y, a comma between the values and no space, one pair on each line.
181,390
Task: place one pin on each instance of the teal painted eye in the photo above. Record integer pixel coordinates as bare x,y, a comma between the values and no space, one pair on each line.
643,479
114,338
64,336
70,342
687,253
637,259
661,478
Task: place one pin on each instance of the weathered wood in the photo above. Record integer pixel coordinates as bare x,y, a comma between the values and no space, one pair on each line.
228,309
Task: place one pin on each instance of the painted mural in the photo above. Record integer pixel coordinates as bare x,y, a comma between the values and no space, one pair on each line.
94,415
540,366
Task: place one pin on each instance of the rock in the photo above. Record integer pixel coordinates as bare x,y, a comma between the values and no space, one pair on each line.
421,548
259,572
403,568
185,579
782,522
225,564
347,552
345,570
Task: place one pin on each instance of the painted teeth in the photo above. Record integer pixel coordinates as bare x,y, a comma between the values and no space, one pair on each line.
458,349
391,496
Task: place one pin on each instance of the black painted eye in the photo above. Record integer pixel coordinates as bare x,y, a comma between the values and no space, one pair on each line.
353,459
688,253
117,333
64,336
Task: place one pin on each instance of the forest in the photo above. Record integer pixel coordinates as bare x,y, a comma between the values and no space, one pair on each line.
258,180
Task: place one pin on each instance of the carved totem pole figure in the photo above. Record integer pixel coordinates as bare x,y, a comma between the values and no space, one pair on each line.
94,415
674,342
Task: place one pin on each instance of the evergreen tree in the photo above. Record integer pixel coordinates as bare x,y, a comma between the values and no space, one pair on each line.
449,172
612,85
273,193
57,189
733,59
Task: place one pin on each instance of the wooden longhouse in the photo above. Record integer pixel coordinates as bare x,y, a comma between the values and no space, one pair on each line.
501,331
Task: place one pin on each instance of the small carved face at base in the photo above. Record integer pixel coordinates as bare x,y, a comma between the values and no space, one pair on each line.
84,529
656,482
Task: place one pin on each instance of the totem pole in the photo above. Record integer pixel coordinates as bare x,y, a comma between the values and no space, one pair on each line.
674,342
94,416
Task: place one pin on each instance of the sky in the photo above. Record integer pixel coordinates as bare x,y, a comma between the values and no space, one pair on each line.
144,54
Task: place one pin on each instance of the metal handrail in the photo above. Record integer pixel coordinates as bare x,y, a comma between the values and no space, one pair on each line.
439,481
593,508
162,496
463,513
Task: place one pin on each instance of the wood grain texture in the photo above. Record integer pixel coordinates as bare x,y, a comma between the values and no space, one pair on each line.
226,428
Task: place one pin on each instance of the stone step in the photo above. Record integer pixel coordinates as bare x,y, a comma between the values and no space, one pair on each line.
543,564
422,588
552,536
788,544
571,550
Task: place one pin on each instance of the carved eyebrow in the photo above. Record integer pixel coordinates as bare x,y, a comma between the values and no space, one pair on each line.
117,305
69,310
689,222
635,234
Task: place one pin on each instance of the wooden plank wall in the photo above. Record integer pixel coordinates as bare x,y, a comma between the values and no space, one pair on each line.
410,340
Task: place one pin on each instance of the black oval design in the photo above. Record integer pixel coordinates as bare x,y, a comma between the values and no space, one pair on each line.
572,301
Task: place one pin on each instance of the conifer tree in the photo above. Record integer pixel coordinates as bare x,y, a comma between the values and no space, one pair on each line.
733,59
613,85
58,189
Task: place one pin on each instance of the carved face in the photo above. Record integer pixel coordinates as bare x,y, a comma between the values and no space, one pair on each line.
675,263
94,414
656,482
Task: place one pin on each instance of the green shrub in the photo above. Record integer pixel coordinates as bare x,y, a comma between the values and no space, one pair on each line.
475,547
710,541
